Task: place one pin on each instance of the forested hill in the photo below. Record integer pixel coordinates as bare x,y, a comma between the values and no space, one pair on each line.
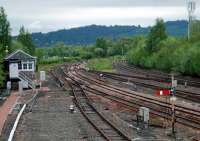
88,34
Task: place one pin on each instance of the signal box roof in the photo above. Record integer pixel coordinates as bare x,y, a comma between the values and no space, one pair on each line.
19,55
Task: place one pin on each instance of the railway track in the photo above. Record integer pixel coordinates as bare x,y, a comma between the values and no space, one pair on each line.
108,130
184,115
156,76
138,80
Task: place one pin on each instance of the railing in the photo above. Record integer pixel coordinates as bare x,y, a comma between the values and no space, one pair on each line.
24,77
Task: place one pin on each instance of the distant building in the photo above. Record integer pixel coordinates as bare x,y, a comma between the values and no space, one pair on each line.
21,67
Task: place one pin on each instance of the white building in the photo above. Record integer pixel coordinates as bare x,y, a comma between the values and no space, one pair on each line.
21,67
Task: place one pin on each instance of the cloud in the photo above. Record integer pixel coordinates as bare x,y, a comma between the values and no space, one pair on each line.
95,3
35,25
44,16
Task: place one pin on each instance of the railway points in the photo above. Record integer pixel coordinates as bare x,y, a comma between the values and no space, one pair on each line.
102,111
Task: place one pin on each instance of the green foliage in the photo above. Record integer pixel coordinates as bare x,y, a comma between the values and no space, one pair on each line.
15,45
112,51
137,52
163,60
101,43
86,55
175,55
5,41
51,60
156,51
167,53
2,72
40,53
101,64
72,59
25,39
101,46
5,36
195,31
156,35
99,52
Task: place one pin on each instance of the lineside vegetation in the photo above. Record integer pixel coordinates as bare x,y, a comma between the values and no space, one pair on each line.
159,51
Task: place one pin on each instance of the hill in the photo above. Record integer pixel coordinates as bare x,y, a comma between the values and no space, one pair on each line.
88,34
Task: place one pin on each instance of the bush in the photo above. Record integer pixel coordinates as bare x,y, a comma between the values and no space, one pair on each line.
174,55
71,59
51,60
86,55
163,59
137,56
99,52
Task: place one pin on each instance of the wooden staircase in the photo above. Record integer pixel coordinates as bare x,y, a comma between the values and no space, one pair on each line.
28,77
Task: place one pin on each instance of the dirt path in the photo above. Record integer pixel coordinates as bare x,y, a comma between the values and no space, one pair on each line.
6,108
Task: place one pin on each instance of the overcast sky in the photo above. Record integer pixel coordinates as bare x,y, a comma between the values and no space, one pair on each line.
50,15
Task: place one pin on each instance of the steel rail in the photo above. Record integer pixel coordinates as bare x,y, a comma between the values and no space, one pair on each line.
195,97
75,88
180,117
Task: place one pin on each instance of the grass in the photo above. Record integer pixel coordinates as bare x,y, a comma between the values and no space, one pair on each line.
46,67
102,64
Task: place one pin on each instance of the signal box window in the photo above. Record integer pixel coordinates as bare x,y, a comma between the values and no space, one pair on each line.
25,66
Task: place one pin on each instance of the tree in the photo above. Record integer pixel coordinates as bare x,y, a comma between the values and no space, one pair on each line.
15,45
99,52
24,37
195,31
5,41
40,53
5,37
101,43
2,72
156,35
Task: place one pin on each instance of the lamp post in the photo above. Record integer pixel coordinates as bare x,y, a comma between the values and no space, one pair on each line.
173,100
6,50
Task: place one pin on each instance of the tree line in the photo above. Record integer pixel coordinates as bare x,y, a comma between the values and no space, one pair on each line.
156,50
162,52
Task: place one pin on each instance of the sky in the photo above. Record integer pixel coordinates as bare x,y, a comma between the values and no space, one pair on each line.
50,15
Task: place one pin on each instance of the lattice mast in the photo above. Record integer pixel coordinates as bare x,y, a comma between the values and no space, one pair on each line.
191,6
